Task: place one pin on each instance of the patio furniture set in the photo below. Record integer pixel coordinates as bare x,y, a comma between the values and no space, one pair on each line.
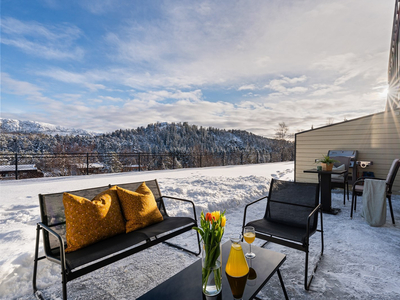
290,219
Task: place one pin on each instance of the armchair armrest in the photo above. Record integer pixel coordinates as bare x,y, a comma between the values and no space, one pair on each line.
316,209
60,241
362,179
245,209
184,200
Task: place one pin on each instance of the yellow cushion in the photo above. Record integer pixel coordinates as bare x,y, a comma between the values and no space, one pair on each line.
139,207
91,221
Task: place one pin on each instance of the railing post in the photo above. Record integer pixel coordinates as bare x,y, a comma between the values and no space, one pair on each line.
139,161
87,163
16,166
200,159
173,161
223,158
241,158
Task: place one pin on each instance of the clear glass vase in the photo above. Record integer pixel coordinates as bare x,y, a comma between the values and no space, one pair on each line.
211,269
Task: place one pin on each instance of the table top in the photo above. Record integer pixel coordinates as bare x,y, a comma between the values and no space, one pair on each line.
187,283
325,172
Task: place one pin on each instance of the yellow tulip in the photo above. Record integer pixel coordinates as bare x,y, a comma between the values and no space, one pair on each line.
216,215
223,221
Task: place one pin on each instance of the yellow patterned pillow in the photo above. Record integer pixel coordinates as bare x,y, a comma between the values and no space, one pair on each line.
91,221
139,207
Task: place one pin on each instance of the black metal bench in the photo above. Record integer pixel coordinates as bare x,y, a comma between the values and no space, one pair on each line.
80,262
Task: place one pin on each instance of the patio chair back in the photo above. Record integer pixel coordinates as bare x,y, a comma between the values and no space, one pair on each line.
342,160
290,203
392,174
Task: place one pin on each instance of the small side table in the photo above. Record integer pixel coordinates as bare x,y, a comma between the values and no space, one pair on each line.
324,178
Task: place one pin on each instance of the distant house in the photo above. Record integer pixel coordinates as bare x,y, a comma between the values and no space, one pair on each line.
130,168
24,171
94,168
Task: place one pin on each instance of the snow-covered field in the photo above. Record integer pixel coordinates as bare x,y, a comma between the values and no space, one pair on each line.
359,262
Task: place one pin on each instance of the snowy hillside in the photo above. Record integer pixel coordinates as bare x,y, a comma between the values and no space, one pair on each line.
359,261
18,126
176,138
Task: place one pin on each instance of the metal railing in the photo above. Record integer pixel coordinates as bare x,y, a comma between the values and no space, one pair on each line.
31,165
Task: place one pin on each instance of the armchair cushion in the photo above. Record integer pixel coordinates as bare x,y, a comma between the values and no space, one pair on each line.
338,177
296,234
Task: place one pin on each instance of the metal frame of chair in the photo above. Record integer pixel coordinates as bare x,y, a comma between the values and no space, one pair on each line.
310,222
389,184
345,160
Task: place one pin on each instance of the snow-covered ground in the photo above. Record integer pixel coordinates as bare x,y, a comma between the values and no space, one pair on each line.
359,262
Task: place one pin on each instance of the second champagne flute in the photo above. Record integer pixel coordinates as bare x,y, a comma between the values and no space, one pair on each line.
249,235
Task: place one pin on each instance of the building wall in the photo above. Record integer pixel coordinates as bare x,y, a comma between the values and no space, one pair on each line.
376,137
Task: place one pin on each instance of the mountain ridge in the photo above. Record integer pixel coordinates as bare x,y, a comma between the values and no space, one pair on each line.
26,126
172,138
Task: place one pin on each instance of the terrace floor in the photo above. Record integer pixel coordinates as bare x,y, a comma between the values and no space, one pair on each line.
359,262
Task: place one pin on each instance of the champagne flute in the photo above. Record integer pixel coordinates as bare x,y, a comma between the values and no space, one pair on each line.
249,236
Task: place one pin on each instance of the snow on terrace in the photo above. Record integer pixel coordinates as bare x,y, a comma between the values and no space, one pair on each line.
359,262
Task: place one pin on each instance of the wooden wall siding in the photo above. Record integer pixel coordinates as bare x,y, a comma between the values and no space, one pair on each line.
376,137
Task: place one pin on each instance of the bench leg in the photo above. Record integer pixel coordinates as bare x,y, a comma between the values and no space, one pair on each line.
37,293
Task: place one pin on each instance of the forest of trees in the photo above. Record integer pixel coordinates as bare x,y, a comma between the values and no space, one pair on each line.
176,141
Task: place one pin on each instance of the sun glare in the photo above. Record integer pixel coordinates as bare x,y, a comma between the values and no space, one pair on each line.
385,92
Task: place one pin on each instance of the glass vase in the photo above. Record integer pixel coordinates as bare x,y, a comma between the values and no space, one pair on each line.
211,269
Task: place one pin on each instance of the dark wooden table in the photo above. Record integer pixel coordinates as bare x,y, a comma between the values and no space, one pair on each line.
324,178
187,283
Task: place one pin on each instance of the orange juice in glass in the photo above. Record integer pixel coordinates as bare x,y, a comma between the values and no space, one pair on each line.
249,235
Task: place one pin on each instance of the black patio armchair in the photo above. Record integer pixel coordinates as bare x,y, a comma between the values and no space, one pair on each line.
291,218
341,180
358,187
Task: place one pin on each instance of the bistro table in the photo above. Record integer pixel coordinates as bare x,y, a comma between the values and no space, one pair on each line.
324,178
187,283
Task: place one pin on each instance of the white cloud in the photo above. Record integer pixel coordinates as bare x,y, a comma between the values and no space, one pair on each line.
16,87
110,99
88,79
49,42
319,58
247,87
281,85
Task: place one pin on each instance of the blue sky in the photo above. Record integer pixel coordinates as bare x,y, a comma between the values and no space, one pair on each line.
106,65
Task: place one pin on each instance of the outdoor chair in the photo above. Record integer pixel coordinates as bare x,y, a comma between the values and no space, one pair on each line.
291,218
341,180
358,187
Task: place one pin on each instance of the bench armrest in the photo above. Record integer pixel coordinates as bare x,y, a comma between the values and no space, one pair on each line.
184,200
245,209
60,240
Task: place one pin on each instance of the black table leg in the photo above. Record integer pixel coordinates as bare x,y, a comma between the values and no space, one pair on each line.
326,196
282,284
